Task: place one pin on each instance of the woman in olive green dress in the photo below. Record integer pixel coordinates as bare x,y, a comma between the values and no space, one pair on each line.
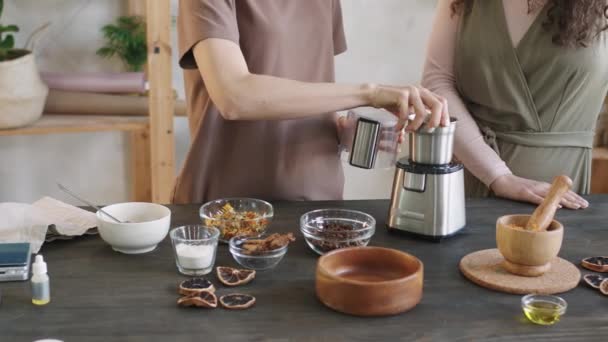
526,79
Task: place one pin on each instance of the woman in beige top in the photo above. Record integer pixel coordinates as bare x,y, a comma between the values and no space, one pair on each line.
526,79
259,78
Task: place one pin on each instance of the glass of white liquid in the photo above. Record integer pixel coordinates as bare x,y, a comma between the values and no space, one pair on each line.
195,247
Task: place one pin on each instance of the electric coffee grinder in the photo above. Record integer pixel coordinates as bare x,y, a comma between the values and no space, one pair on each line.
428,190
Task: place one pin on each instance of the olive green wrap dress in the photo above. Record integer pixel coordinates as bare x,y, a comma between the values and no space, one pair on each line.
536,104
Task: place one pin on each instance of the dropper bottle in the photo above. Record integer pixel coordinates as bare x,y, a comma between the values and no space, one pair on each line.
41,290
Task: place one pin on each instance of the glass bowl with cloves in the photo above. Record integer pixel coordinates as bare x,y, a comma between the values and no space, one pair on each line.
327,229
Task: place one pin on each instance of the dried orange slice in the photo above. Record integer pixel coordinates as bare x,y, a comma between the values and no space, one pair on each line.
597,264
594,280
195,286
604,287
204,299
233,277
237,301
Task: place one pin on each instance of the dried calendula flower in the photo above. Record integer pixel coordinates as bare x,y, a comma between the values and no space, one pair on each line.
233,223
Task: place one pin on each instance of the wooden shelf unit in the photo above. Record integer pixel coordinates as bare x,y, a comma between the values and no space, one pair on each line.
162,142
58,124
152,160
599,172
138,129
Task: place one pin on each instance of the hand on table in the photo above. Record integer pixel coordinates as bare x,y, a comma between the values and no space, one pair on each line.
528,190
402,101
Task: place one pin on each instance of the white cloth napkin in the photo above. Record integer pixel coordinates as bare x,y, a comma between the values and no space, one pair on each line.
20,222
68,219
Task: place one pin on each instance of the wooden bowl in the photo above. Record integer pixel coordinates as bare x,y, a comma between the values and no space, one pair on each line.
369,281
527,253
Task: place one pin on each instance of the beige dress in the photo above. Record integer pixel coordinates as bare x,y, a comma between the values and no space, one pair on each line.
538,103
272,160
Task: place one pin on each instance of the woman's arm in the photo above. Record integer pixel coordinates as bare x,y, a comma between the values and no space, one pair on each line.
241,95
469,145
438,76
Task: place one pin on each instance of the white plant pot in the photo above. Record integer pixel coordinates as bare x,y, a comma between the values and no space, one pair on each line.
22,92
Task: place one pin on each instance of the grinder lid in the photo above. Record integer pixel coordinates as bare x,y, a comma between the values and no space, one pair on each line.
406,165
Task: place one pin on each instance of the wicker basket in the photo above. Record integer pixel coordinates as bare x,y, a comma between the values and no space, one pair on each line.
22,92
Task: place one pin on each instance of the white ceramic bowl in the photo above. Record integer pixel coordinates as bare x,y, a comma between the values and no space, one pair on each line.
148,225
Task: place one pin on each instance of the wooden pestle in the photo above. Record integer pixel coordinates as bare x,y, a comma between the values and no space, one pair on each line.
544,213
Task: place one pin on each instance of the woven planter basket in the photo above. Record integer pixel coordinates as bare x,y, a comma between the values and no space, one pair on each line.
22,92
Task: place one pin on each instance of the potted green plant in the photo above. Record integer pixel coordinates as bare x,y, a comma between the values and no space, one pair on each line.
22,92
127,40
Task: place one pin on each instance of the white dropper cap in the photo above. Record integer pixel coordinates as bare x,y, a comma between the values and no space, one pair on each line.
39,265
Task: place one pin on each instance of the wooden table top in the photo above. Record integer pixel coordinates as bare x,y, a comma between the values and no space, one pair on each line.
101,295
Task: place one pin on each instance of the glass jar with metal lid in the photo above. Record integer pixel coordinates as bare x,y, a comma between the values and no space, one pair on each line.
370,138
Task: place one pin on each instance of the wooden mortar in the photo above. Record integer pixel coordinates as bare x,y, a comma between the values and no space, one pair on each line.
529,242
527,253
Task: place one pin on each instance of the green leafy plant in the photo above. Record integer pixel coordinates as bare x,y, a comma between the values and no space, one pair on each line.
7,40
127,40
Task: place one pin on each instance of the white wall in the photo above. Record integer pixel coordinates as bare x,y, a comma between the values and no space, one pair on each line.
386,44
386,41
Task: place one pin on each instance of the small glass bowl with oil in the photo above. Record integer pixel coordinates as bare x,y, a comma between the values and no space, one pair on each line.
543,309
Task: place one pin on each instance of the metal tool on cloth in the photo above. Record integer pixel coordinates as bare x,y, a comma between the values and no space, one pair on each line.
69,192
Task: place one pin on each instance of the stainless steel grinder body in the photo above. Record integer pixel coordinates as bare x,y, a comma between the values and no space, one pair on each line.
428,200
432,146
428,190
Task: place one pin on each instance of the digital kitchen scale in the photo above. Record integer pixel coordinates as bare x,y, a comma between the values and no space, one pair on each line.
14,261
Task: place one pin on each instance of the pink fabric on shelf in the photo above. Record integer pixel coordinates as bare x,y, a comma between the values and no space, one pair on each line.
96,82
470,147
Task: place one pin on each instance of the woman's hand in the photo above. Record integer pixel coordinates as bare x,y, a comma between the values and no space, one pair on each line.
527,190
402,101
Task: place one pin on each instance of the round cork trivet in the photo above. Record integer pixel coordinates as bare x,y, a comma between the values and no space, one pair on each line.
484,269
